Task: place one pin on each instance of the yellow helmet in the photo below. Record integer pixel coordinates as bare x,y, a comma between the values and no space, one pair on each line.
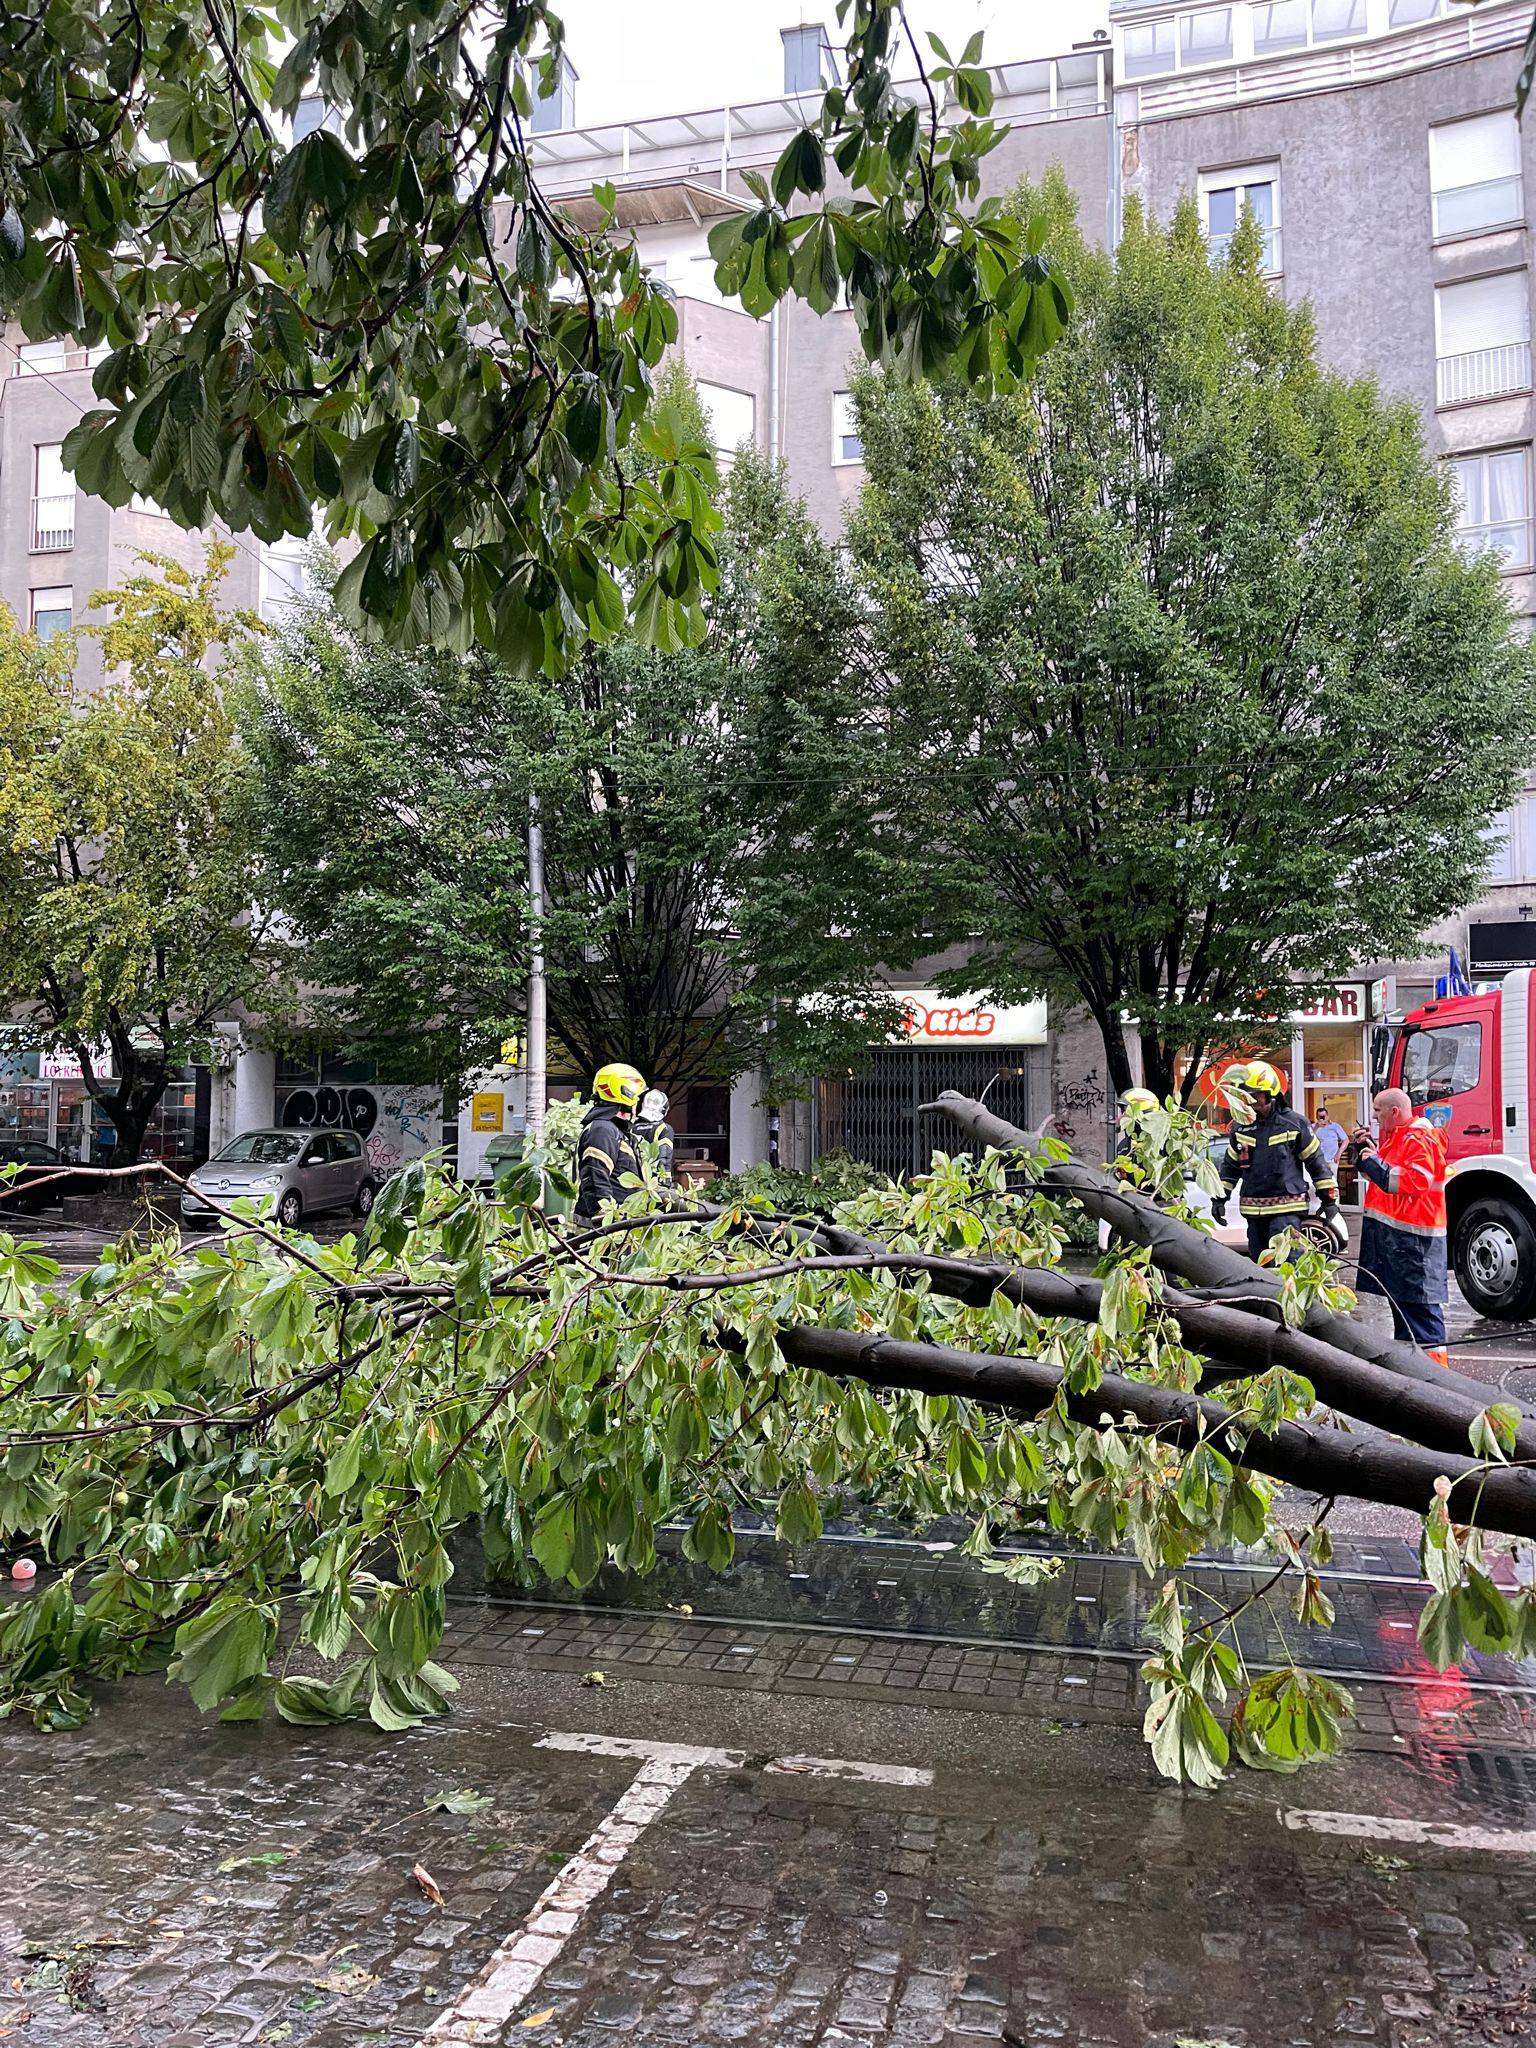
1139,1098
619,1083
1257,1077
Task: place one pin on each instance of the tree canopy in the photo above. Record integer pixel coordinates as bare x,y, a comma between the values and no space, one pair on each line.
385,318
127,842
686,800
1189,691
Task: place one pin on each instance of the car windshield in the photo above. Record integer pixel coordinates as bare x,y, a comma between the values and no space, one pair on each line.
263,1148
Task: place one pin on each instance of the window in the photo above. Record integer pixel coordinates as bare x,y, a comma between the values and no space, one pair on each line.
285,578
1206,38
308,115
846,445
1474,174
41,358
1482,338
732,417
1407,13
1493,504
1224,195
558,109
52,610
1442,1060
1148,48
1511,838
1334,18
802,57
53,499
1282,25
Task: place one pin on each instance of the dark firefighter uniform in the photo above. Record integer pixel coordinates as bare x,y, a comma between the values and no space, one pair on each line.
605,1153
1273,1157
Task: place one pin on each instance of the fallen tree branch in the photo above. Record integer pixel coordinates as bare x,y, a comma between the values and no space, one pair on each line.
1193,1255
1324,1461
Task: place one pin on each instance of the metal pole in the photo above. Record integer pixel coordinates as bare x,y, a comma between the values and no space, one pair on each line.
536,1058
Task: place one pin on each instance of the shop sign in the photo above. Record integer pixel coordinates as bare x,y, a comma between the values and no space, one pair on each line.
1346,1002
932,1019
487,1112
65,1065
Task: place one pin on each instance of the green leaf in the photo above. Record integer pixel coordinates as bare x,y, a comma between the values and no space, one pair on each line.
554,1537
217,1653
799,1517
1439,1631
398,460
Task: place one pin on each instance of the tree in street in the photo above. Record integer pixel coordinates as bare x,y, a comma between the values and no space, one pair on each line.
286,1433
385,318
127,839
686,798
1190,692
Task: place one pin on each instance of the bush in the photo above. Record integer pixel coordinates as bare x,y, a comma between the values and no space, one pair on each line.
836,1177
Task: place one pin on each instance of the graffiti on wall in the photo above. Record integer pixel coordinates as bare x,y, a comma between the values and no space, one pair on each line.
1079,1099
396,1124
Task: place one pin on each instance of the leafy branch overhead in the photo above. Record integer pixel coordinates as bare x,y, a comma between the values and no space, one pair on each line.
277,1440
388,319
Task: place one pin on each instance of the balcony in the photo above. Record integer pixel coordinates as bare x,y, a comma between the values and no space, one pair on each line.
53,522
1483,373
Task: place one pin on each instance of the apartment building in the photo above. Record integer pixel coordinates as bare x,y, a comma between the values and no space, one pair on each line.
1376,142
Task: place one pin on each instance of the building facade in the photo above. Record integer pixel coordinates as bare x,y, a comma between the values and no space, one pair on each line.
1376,143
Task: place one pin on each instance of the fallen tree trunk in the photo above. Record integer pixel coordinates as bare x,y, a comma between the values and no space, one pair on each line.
1235,1344
1323,1461
1194,1256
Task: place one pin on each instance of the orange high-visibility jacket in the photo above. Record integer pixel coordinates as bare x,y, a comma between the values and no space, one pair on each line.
1402,1246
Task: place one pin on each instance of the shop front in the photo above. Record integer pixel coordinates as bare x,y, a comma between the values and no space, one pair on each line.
1323,1050
44,1099
995,1051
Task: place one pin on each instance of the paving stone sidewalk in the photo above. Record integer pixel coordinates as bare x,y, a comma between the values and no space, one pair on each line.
171,1883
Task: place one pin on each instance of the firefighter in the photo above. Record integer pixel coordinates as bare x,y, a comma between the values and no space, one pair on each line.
1272,1157
605,1150
652,1129
1402,1243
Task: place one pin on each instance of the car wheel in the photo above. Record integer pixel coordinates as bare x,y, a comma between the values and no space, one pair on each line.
290,1209
1495,1260
362,1202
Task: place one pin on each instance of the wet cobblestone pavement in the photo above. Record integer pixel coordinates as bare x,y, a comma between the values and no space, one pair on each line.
1017,1876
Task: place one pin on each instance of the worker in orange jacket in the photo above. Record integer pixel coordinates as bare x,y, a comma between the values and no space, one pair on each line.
1402,1243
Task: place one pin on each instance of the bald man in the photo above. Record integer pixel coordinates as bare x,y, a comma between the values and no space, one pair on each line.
1402,1245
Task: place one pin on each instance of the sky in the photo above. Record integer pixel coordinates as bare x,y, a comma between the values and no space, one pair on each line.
639,57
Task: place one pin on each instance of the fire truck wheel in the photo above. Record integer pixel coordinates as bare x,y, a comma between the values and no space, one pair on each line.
1495,1260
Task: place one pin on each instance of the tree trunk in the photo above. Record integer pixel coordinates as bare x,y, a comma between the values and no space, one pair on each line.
1117,1056
1191,1255
1368,1467
131,1108
1157,1063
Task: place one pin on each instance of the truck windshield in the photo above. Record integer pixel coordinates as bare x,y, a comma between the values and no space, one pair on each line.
1441,1060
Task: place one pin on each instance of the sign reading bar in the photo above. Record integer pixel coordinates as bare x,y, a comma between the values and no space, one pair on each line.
1345,1003
932,1019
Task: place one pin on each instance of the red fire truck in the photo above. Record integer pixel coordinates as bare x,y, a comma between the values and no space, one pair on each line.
1468,1063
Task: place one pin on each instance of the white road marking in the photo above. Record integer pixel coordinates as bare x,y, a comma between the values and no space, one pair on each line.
1440,1834
837,1767
501,1987
645,1752
485,2006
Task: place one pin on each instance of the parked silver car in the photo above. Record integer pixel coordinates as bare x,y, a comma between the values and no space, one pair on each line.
305,1173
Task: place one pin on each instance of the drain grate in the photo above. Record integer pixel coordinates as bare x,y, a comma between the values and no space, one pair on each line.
1487,1777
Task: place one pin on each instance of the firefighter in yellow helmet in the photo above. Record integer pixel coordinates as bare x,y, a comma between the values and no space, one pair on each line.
1272,1154
605,1151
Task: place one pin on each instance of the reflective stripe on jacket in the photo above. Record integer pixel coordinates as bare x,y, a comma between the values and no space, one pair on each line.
1272,1160
605,1152
1402,1243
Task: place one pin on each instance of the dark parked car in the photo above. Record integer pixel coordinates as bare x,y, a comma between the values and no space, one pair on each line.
31,1190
